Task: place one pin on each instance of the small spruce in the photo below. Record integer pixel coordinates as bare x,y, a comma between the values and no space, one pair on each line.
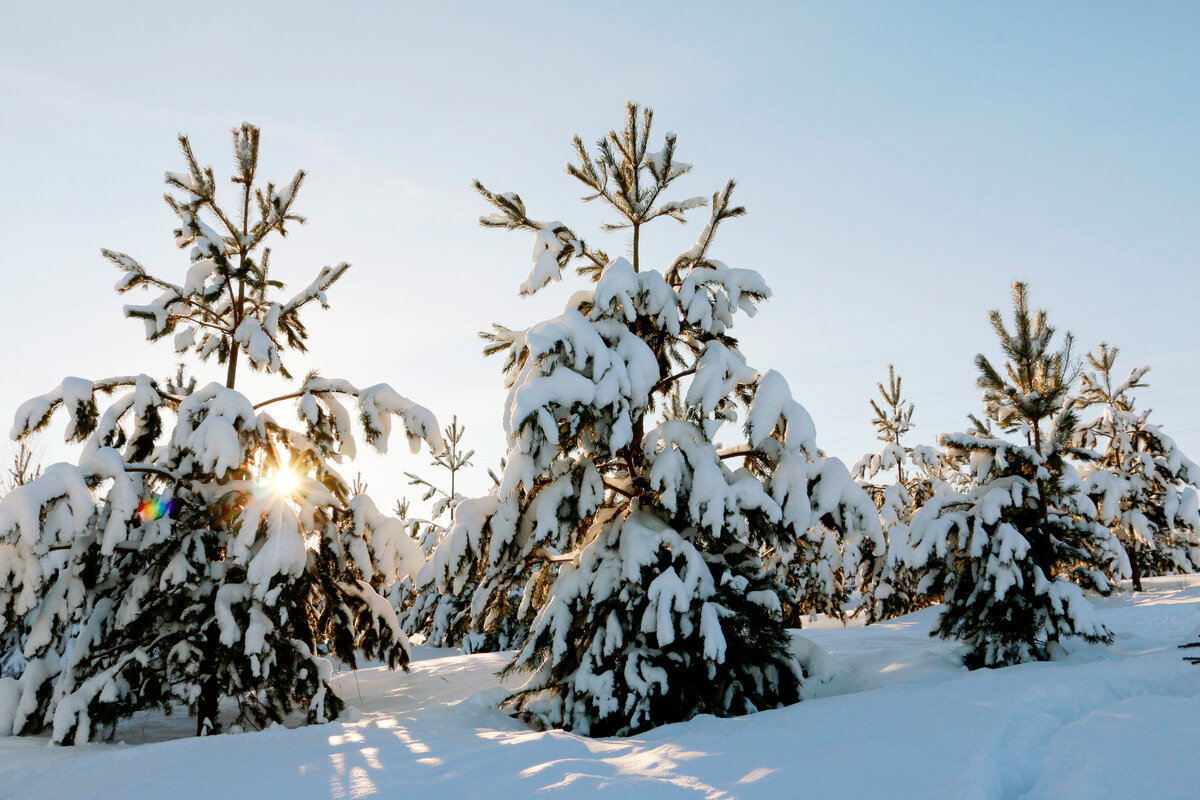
1144,487
1017,545
891,587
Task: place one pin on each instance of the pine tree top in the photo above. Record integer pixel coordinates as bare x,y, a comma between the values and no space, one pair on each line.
1037,377
897,419
226,304
1098,382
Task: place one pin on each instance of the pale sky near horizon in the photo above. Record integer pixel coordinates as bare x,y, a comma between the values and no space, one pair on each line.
901,164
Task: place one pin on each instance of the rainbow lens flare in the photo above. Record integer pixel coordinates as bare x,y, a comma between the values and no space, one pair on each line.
155,508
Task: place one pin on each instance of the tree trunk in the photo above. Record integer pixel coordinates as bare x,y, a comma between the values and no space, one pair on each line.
207,705
1134,569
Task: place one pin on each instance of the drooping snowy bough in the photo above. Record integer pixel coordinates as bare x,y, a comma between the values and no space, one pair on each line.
628,539
201,550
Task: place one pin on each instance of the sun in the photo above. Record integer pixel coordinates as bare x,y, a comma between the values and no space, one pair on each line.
284,481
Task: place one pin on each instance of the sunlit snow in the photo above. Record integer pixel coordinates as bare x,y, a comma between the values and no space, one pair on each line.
894,715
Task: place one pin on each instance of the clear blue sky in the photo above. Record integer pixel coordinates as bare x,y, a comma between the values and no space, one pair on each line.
901,163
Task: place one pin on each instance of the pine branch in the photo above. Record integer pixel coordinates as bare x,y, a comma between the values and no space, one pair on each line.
671,379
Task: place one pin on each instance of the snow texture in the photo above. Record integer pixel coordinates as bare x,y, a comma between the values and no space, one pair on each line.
1099,724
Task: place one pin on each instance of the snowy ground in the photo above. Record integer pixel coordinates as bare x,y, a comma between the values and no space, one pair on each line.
898,719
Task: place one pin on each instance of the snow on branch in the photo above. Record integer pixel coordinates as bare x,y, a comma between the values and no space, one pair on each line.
773,409
316,289
377,403
77,396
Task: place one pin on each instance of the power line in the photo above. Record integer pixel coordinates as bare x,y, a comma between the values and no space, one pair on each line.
979,340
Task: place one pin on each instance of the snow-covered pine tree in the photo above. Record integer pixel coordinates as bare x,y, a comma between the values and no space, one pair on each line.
618,520
444,618
1143,485
820,566
200,549
1013,544
890,586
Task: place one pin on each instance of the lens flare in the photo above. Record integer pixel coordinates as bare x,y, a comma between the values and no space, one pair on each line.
154,508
